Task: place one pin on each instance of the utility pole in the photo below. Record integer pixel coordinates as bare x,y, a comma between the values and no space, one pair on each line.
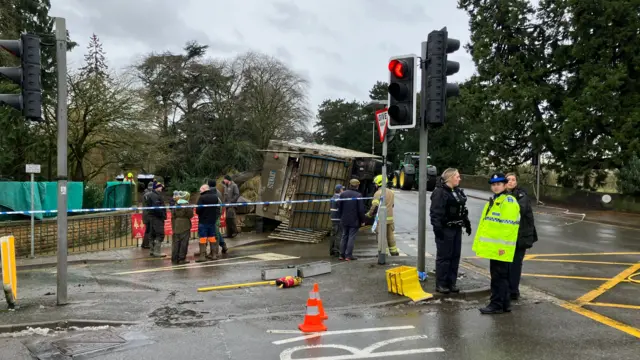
61,116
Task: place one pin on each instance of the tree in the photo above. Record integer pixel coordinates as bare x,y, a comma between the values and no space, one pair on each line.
629,177
99,109
28,142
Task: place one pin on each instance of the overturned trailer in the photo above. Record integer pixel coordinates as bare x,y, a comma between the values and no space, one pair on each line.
304,171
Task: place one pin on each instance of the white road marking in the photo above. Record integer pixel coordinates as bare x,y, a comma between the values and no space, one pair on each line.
222,262
366,353
284,332
338,332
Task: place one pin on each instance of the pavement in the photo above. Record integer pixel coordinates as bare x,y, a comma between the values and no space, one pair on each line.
578,299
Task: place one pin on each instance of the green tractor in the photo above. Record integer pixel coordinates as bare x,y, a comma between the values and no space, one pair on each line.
406,177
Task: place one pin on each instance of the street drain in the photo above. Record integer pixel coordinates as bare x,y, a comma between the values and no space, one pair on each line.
84,345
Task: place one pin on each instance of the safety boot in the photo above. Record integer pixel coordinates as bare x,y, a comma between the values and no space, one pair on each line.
224,248
214,250
157,249
202,256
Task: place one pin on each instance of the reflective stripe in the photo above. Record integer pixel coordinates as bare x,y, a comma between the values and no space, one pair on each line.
498,241
313,311
334,210
502,221
312,295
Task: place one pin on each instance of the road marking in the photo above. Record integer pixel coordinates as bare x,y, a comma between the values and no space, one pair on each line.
567,277
582,254
592,295
366,353
581,262
602,319
577,307
621,306
223,262
339,332
284,332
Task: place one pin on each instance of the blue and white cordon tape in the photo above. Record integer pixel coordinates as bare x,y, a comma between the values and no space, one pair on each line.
134,208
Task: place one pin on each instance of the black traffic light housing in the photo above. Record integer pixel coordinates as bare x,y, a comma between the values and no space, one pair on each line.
402,91
27,76
439,45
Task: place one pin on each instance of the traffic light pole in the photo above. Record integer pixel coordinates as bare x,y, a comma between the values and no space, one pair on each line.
61,116
422,168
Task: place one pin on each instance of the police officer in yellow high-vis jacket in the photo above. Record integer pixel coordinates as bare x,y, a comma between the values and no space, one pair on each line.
389,202
496,240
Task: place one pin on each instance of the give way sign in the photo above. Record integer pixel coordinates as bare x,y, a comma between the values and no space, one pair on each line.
382,120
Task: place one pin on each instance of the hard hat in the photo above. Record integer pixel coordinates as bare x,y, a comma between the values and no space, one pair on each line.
378,180
130,175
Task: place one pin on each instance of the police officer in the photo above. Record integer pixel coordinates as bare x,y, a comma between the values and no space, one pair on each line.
496,239
449,215
527,234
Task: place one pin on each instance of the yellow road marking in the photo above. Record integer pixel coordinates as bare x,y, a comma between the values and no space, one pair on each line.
567,277
592,295
602,319
581,262
622,306
578,308
582,254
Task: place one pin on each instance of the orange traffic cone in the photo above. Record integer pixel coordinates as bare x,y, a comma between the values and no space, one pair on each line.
312,319
316,290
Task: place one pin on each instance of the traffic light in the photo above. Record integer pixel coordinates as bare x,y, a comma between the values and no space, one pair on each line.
27,76
439,45
402,92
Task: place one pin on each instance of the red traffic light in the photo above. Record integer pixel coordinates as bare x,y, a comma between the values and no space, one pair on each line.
398,68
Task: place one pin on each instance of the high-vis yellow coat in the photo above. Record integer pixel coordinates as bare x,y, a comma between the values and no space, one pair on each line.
497,233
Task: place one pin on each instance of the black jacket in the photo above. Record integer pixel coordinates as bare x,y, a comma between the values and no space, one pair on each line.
447,205
351,212
208,215
527,234
153,199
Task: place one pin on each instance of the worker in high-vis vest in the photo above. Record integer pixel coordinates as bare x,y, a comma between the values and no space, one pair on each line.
496,240
389,201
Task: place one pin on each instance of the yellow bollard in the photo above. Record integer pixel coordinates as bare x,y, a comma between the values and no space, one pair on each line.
9,275
235,286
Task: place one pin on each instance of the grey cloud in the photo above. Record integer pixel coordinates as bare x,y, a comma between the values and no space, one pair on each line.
284,55
291,18
396,11
154,23
341,86
330,55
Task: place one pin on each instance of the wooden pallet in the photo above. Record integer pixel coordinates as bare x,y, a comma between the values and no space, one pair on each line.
283,232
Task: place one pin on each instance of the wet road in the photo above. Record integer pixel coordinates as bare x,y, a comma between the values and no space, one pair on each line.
582,262
435,331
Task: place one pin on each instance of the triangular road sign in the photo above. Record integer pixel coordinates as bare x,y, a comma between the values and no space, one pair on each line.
382,120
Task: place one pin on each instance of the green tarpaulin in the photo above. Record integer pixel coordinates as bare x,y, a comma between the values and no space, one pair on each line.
117,195
16,196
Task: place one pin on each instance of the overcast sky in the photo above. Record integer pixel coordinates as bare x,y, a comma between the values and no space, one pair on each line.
341,46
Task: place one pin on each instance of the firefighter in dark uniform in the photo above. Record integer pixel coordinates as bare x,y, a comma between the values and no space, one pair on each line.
527,234
449,215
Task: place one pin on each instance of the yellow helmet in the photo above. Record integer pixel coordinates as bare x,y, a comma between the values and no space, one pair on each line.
378,180
129,175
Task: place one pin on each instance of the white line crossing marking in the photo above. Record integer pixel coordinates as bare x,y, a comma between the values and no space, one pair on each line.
366,353
338,332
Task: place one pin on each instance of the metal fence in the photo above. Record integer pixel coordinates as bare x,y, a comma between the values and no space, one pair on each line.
92,232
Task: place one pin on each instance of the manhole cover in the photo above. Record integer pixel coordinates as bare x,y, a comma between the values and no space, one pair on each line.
82,344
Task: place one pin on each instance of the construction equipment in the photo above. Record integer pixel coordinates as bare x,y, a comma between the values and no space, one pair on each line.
403,280
407,175
313,319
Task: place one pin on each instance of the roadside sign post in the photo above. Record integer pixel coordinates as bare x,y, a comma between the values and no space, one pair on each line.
382,120
33,169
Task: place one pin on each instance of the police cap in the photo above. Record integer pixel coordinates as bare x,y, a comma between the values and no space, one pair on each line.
497,177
